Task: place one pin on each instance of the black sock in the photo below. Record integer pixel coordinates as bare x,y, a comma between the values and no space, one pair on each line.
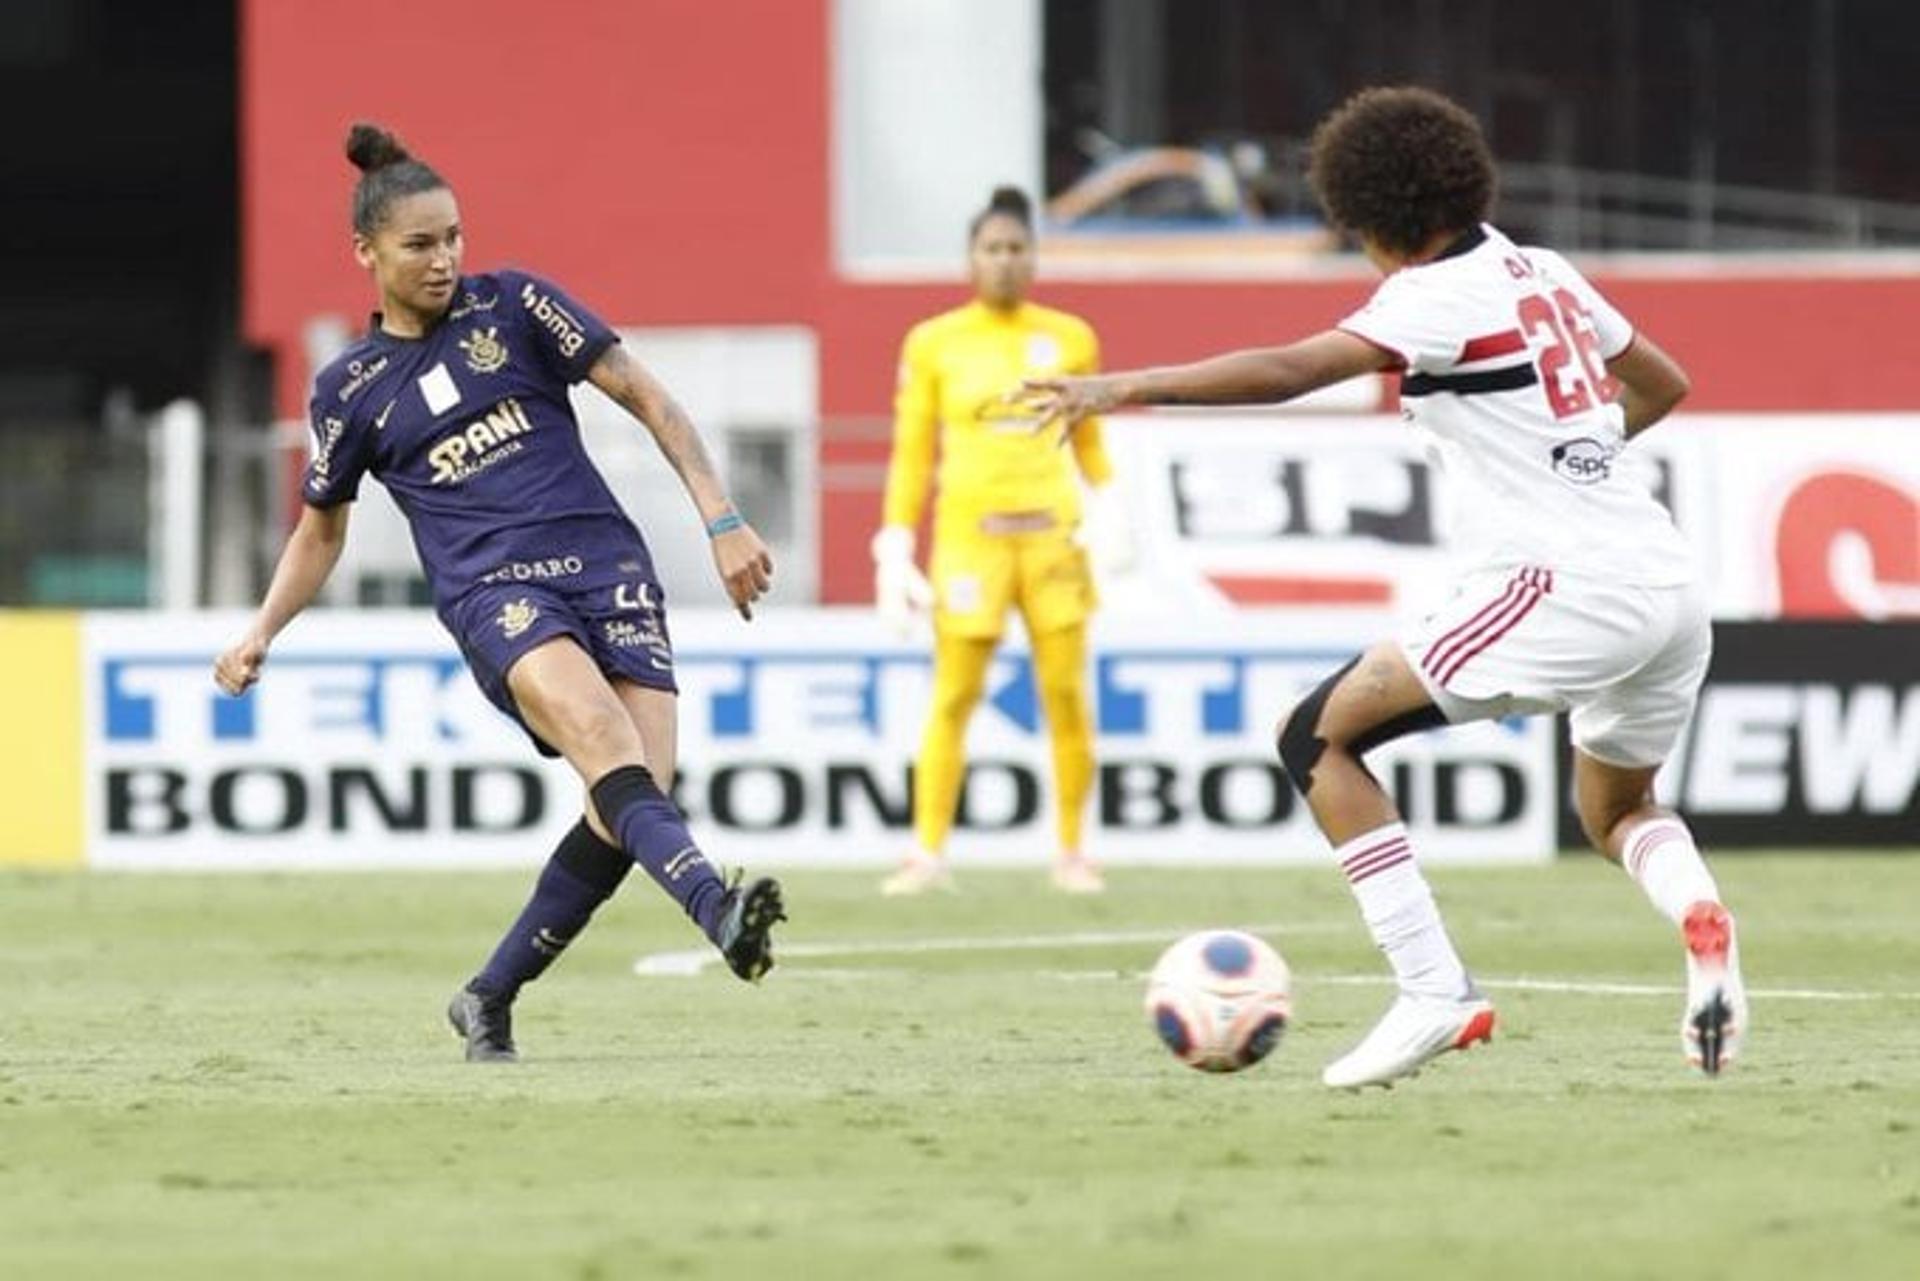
583,873
654,834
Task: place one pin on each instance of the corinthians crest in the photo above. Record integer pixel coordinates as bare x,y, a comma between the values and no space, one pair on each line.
516,616
486,354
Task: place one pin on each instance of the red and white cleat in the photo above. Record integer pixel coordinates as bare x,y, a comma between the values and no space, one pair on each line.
1715,1021
1414,1031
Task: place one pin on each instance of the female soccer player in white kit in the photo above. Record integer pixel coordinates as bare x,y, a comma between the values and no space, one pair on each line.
1581,596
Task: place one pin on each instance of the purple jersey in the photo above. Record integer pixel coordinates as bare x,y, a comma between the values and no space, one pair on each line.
471,431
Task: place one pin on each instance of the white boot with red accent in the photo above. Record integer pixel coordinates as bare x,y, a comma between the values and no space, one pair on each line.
1714,1024
1415,1030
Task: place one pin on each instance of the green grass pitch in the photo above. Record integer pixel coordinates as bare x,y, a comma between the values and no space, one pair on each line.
248,1076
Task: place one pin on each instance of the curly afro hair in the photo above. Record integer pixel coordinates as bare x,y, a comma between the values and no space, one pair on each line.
1400,165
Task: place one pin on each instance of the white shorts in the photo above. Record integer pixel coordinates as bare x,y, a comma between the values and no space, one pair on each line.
1628,661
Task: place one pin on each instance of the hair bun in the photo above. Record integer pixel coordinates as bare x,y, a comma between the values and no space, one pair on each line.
370,147
1011,200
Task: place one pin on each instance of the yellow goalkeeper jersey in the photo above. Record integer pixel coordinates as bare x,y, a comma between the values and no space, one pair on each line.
955,369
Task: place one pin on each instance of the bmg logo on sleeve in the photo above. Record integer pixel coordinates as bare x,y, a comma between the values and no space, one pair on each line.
568,333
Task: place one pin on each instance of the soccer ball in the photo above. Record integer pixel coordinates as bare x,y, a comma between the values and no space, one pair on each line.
1220,1000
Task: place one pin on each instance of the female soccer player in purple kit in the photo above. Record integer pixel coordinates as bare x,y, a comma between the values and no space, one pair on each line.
456,400
1578,592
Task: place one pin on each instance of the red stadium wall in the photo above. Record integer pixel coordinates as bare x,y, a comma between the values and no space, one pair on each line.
669,162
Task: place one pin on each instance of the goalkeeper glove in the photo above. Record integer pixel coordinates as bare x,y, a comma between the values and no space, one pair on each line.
900,591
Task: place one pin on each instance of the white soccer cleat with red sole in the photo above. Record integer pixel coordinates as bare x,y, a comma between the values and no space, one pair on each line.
1414,1031
1714,1024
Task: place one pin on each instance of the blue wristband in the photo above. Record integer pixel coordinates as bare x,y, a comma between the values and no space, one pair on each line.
725,523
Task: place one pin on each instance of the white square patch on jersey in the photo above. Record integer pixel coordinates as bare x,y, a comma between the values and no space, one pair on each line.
438,387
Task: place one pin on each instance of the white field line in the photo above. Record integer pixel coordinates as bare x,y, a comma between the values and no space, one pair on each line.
686,964
690,963
1638,989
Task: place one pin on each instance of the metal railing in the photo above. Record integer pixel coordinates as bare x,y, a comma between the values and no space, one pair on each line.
1590,209
73,514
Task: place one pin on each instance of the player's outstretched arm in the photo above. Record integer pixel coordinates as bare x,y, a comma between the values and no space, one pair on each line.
1652,383
743,561
312,550
1258,376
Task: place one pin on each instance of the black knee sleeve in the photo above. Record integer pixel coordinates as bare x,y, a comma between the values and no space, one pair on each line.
1299,744
1424,717
599,864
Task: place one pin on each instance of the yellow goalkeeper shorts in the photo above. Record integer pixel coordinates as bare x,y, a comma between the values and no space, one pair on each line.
978,576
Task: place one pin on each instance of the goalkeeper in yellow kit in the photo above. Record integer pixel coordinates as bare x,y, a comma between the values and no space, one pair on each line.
1007,531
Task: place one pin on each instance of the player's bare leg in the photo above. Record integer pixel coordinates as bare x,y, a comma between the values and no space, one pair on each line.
1654,846
1322,743
656,718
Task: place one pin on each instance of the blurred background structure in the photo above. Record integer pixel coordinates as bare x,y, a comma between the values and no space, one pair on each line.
774,190
765,194
236,1075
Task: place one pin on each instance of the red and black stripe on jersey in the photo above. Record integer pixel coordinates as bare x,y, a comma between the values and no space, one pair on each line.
1508,342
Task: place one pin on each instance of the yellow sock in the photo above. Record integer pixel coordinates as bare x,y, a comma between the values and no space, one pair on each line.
1060,669
959,674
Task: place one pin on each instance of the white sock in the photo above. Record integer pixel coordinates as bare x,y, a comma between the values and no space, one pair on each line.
1660,855
1400,912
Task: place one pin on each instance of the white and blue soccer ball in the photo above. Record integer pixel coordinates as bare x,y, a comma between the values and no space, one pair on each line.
1220,1000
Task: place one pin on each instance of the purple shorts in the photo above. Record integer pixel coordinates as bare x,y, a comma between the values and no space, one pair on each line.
621,625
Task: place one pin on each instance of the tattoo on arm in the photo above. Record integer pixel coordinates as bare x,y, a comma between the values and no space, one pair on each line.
627,381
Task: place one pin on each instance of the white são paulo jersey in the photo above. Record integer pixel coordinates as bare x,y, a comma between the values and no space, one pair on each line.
1505,354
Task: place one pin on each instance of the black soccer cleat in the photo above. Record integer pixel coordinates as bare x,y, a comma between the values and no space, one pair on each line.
747,917
1711,1025
486,1025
